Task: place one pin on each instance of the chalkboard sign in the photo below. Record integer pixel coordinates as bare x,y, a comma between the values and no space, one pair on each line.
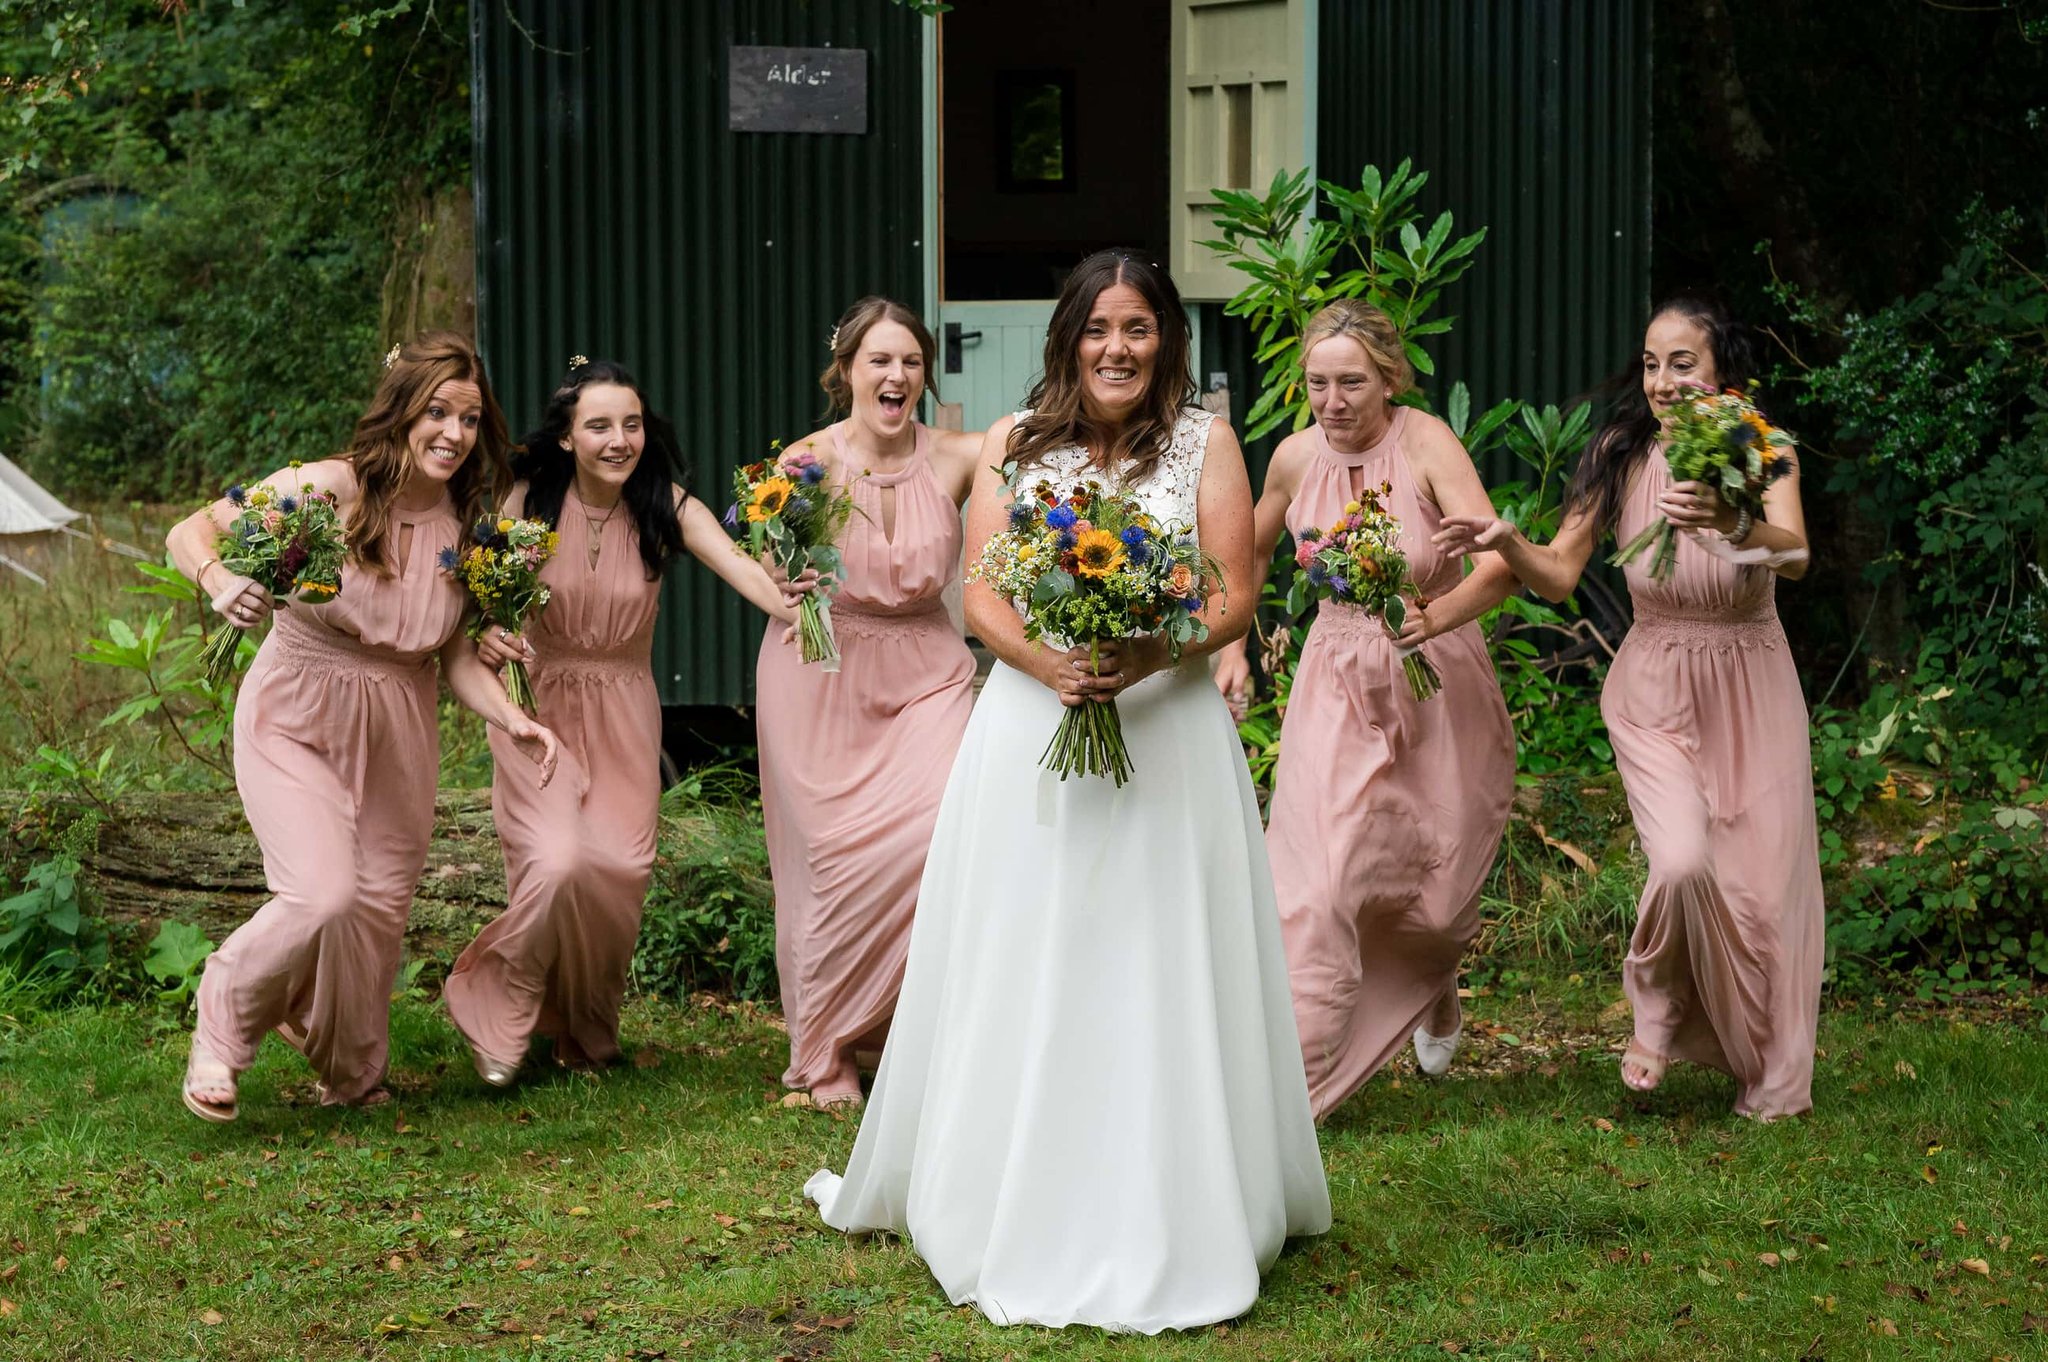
797,89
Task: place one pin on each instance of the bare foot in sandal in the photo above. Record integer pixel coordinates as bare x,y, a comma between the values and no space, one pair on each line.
209,1087
1642,1069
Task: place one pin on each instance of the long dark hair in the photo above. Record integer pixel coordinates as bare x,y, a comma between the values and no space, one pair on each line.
1618,448
548,468
1056,418
382,458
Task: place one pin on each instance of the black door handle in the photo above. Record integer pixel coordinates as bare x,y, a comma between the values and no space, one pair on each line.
955,338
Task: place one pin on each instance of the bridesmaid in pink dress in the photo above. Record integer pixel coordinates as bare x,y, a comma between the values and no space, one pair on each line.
853,762
602,469
336,744
1387,810
1709,730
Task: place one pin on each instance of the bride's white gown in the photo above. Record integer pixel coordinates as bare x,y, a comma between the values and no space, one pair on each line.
1091,1109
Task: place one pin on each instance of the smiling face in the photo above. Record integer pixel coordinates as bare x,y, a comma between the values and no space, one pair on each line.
1119,350
887,377
1676,352
1345,391
441,439
607,435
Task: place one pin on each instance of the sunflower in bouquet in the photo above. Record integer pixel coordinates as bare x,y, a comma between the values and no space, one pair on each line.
1722,440
1089,567
289,543
792,515
500,571
1358,561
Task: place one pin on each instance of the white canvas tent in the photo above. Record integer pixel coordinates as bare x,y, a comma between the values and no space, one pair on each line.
28,515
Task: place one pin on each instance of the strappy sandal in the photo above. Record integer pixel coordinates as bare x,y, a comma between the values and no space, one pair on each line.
1648,1061
204,1074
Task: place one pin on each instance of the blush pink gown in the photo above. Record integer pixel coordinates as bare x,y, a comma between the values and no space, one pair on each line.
853,764
1710,732
578,853
337,754
1387,810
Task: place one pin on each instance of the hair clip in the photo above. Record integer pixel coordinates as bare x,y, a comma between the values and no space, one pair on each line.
832,341
391,356
578,361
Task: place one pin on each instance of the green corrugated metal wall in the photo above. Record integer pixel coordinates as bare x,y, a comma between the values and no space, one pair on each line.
617,216
1531,119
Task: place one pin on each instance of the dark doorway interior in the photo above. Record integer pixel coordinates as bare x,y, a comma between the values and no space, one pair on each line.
1054,136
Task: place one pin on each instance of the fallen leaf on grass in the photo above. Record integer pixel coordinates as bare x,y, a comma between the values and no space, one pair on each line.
1885,1327
1977,1265
1769,1259
61,1263
526,1264
1905,1070
2033,1324
662,1205
1904,1292
212,1317
7,1308
579,1210
1927,1174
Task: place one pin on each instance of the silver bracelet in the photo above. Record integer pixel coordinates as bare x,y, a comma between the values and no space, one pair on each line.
1743,523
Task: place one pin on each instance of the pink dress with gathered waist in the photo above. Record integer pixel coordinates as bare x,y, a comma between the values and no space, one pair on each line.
579,853
1387,810
853,764
1710,732
337,756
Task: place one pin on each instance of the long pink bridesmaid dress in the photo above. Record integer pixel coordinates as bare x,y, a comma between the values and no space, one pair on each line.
337,754
1710,732
578,854
1387,810
853,764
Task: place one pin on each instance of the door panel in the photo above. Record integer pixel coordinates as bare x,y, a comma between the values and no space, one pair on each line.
1000,350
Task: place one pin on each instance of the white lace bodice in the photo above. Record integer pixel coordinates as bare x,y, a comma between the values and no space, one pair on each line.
1168,491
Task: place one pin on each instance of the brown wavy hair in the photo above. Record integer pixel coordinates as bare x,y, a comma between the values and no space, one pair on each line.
1056,419
382,459
854,325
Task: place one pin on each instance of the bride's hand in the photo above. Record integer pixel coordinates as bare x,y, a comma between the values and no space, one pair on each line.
1069,675
1127,661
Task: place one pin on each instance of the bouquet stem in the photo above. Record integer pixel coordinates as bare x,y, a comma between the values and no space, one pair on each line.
219,654
1658,540
1089,742
814,632
519,686
1423,678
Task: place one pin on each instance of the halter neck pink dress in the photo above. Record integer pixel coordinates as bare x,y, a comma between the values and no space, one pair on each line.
578,853
853,764
1710,732
1387,810
337,755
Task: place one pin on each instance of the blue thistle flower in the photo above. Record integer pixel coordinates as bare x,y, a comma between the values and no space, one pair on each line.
813,474
238,495
448,558
1067,539
1318,575
1193,605
1062,517
1021,515
288,504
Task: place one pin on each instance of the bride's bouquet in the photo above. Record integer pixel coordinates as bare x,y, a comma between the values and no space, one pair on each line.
1722,440
1358,561
1088,568
501,573
792,516
290,544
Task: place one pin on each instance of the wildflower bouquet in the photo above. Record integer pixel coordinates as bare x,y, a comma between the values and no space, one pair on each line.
1091,567
501,573
792,515
1358,561
1722,440
291,545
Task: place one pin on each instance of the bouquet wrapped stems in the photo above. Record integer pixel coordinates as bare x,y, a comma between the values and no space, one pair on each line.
1089,741
814,637
1659,540
1424,680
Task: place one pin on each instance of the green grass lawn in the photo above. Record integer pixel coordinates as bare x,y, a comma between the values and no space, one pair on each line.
1525,1207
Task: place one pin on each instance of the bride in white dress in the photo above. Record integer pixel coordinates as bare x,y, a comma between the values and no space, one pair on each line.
1091,1109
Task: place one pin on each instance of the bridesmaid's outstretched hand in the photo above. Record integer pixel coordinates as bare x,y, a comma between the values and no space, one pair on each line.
539,744
1464,535
1234,679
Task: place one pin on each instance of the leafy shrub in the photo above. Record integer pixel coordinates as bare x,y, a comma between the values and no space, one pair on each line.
47,933
709,921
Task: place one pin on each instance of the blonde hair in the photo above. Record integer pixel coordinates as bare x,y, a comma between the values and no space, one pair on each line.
1374,331
853,328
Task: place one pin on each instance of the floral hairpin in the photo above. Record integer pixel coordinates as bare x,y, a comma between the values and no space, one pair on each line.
832,341
391,355
578,361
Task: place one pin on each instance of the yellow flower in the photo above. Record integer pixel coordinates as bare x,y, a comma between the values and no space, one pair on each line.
1027,553
769,499
1351,508
504,527
1100,553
